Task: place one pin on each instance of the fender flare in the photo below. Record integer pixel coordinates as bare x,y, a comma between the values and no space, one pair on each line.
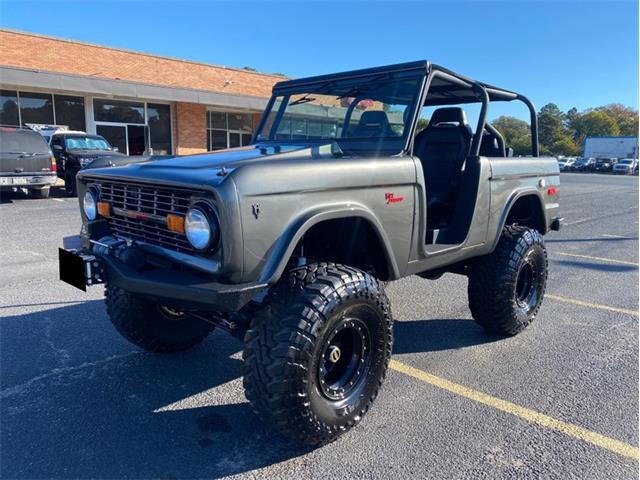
283,248
513,198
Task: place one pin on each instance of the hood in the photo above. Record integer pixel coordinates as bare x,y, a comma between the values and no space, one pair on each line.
211,168
95,153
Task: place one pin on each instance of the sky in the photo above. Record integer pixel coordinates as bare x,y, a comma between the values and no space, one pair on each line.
579,54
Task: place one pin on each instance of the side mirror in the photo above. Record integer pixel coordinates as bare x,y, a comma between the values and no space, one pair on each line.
115,149
57,148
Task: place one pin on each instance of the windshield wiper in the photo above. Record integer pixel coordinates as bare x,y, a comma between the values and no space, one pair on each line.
306,98
360,89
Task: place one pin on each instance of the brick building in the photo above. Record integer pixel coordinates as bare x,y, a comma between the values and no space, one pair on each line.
139,102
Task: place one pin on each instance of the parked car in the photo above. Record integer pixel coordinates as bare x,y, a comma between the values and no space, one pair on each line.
566,164
584,164
74,151
287,243
604,164
26,162
625,166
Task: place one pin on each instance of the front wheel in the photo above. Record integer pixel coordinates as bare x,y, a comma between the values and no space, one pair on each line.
506,288
152,326
316,356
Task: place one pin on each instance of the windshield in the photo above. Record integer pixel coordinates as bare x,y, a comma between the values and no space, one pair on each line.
626,161
87,143
350,111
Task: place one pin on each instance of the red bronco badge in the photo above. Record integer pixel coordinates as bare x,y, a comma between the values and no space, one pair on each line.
391,198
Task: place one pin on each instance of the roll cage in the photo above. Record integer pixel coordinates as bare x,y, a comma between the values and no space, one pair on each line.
440,87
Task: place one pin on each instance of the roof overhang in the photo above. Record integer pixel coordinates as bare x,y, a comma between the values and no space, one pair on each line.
22,78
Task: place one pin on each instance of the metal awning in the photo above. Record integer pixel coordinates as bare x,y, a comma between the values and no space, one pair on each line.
21,78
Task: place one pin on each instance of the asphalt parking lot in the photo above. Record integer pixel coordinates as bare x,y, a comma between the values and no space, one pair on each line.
558,401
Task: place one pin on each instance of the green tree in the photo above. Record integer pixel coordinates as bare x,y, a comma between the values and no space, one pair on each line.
626,118
422,124
551,127
564,146
511,128
594,123
521,145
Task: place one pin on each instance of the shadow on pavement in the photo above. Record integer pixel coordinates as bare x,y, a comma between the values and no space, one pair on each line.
79,402
603,267
438,334
599,239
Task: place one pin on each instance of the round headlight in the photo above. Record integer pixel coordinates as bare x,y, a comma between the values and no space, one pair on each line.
201,231
89,205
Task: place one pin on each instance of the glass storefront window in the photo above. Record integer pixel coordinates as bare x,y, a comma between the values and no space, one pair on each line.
118,111
159,118
218,120
217,140
9,108
228,130
240,121
70,111
36,108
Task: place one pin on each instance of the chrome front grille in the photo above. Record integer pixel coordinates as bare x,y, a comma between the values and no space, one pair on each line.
146,209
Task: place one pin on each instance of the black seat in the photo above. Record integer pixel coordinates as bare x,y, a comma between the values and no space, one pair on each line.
442,148
372,123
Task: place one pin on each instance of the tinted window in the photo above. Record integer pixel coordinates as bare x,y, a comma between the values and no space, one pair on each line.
9,108
36,108
117,111
18,141
160,128
70,111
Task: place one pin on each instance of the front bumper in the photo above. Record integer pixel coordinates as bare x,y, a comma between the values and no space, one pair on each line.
25,181
168,286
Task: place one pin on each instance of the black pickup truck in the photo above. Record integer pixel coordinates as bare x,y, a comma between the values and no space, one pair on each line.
26,162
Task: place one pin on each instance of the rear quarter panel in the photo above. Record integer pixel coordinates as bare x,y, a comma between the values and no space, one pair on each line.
513,177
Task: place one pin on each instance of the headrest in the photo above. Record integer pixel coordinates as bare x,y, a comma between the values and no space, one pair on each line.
374,118
448,115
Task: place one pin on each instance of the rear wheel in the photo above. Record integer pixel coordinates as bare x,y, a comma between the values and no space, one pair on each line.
506,288
152,326
39,192
70,187
316,356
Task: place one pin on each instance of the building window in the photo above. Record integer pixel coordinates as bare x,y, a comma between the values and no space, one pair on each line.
228,130
302,128
36,108
9,108
159,118
22,108
69,111
116,111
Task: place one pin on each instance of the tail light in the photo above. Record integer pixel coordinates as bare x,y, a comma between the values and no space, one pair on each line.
54,165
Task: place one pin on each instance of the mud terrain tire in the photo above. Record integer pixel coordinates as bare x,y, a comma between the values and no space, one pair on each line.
317,354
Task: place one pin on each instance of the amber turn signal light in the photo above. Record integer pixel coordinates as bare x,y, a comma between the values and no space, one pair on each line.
175,223
104,209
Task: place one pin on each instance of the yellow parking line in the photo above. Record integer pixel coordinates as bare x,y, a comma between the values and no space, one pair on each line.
582,303
527,414
598,259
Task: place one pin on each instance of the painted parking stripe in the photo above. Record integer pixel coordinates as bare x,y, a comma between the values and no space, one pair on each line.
598,259
582,303
527,414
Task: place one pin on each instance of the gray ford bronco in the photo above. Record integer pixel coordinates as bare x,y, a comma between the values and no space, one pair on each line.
289,242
